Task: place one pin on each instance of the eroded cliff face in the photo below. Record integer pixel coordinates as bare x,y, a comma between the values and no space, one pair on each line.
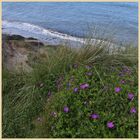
15,53
15,57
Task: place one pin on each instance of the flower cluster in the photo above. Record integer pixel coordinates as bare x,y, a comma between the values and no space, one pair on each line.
66,109
110,125
75,90
94,116
84,86
117,89
130,96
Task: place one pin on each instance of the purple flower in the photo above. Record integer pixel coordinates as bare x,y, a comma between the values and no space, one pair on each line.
122,82
133,110
117,89
88,67
75,90
126,69
89,73
66,109
54,114
130,96
84,86
110,125
75,66
121,74
94,116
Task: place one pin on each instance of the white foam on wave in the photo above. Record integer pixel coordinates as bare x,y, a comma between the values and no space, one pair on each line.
46,35
35,29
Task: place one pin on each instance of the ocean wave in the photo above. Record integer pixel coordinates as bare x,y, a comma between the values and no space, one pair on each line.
46,35
35,29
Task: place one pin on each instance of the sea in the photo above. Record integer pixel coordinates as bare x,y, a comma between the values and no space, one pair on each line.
57,22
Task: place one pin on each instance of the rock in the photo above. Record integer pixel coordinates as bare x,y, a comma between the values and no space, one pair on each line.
14,37
31,38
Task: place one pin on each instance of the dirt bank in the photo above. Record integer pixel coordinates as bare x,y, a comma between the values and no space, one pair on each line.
16,50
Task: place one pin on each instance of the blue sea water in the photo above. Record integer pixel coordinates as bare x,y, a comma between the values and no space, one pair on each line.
72,20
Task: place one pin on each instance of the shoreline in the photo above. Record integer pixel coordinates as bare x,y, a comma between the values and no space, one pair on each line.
18,36
53,37
48,36
38,42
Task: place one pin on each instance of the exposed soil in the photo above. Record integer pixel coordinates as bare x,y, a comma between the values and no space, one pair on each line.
15,51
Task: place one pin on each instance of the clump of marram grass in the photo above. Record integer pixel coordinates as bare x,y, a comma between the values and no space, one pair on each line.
107,53
48,89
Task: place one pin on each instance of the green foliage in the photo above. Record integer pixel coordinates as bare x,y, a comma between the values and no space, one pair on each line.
25,95
100,98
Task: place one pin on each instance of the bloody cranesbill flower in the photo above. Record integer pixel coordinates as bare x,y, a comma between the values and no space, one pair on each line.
84,86
54,114
75,90
89,73
133,110
117,89
121,74
88,67
110,125
130,96
94,116
122,82
126,69
66,109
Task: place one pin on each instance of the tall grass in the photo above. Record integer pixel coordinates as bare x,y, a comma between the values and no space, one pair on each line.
25,94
